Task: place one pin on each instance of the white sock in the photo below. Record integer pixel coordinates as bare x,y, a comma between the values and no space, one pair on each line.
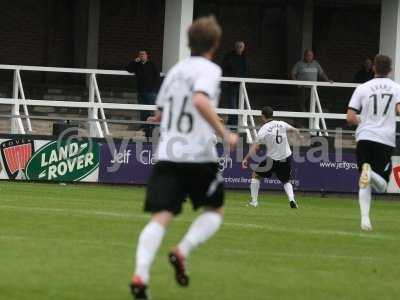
149,241
200,231
378,183
254,187
364,199
289,190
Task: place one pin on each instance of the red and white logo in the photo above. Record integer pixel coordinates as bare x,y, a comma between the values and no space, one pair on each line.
15,155
396,174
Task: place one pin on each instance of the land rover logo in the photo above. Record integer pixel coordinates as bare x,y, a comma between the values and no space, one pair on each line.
61,161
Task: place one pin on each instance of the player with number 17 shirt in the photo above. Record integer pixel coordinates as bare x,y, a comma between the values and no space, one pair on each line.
373,108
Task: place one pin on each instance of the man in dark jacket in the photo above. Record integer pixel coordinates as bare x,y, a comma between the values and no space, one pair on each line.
234,64
148,79
366,72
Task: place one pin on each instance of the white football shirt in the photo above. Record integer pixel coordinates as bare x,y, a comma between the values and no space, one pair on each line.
273,134
185,134
376,102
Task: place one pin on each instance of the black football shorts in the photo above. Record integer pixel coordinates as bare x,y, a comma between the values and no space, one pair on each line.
171,183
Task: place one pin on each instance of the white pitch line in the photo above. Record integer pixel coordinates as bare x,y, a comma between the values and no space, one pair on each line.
299,255
104,244
231,224
76,211
66,241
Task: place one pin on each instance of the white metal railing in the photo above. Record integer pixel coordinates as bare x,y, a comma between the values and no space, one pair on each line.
316,115
98,124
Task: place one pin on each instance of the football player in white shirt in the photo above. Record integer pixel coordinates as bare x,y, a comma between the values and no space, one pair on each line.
273,134
186,156
373,108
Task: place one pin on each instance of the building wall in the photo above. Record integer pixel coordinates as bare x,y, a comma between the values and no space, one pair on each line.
261,26
127,26
23,32
52,33
344,34
46,32
344,37
36,32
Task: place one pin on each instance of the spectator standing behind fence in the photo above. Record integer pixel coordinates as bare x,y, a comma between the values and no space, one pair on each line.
307,69
148,79
234,64
366,72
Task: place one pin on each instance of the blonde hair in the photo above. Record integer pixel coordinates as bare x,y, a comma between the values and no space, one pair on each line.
204,35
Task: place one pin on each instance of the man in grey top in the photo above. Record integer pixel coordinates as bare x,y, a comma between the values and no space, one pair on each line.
307,69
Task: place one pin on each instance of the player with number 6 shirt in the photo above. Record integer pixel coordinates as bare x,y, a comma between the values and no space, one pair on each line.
273,135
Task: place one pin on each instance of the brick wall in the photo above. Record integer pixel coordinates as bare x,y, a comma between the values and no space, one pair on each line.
36,32
344,37
126,26
344,34
23,32
261,26
43,32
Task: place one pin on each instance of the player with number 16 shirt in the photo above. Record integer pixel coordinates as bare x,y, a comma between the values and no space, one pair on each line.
186,157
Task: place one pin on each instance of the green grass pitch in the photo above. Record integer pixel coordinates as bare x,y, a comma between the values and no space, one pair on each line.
78,242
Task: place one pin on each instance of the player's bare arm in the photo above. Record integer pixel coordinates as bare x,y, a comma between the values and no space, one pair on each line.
202,104
253,150
352,117
156,118
296,132
398,109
